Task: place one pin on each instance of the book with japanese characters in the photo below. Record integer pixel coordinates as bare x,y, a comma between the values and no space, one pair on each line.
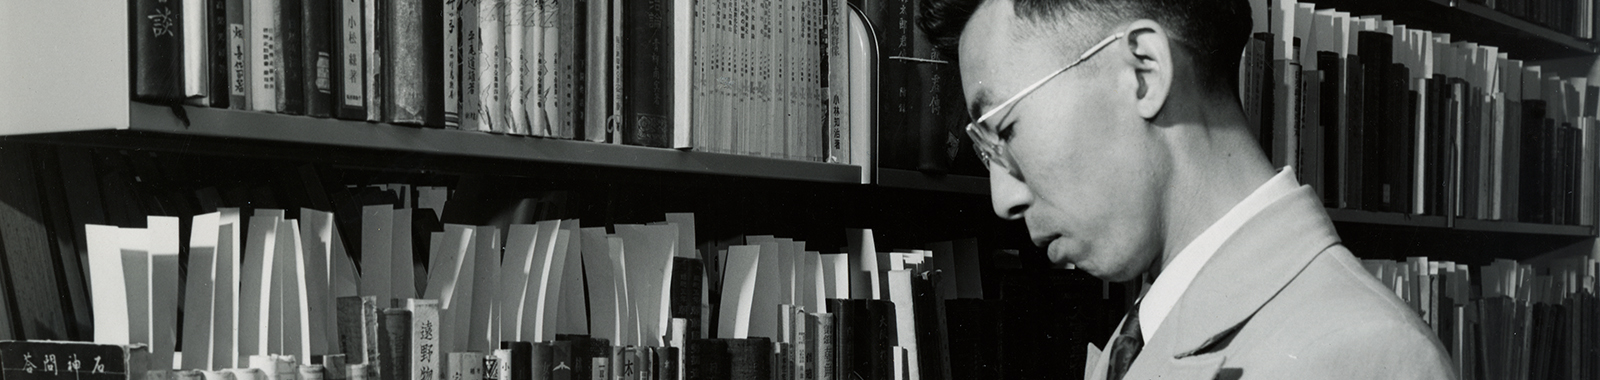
349,59
426,332
263,53
157,29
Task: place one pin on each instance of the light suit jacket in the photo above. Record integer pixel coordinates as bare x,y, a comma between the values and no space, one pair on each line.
1282,299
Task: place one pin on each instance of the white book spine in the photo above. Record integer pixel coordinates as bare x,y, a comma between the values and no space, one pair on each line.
353,62
491,66
196,53
372,78
263,53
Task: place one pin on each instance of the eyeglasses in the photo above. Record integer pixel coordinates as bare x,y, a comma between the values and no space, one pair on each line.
990,147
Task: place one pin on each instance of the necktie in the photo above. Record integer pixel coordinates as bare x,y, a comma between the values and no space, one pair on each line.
1126,347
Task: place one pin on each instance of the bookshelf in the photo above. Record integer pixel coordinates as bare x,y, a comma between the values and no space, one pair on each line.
223,131
1469,21
952,183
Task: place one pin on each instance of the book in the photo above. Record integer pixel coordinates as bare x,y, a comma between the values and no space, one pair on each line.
358,331
196,52
750,358
492,95
394,343
594,65
464,366
705,359
647,118
425,334
350,56
375,38
70,360
406,48
157,29
217,51
450,66
291,70
263,53
319,65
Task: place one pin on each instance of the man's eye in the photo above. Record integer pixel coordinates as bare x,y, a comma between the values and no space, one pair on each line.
1005,131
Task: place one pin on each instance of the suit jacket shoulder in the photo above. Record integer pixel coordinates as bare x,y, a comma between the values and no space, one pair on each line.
1282,299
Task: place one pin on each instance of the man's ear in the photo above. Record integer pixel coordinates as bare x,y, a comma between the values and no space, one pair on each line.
1151,57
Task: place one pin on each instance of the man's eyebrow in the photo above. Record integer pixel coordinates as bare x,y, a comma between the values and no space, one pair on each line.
980,101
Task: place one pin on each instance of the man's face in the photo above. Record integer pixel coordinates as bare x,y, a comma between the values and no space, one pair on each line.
1091,170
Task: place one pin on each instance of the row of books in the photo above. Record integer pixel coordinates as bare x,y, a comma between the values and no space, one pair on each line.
1380,117
1506,320
728,77
1571,17
641,286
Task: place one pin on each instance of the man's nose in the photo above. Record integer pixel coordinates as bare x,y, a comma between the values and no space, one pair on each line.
1011,197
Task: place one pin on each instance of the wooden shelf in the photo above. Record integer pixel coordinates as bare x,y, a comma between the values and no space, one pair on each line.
1522,228
911,179
224,131
1386,218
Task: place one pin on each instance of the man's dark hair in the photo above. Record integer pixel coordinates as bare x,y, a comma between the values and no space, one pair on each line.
1215,31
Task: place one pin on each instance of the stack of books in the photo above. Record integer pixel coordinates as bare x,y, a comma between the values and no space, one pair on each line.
1380,117
755,79
1506,320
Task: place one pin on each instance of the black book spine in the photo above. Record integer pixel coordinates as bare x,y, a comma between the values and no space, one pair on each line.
891,21
881,333
292,70
667,363
845,314
750,358
685,293
1352,137
1376,54
432,63
522,361
217,41
933,354
705,359
1328,64
349,60
580,69
647,78
1402,141
157,29
317,55
562,361
1434,180
925,107
1531,192
394,345
1471,148
1266,89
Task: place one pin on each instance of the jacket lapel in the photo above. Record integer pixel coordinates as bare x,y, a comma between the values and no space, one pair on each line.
1247,271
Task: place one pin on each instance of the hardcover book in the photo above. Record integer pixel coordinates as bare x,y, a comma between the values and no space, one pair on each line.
647,78
349,54
158,50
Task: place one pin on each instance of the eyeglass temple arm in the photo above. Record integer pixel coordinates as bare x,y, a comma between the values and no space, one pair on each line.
1085,56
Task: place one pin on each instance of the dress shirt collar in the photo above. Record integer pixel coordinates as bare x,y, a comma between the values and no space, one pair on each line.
1176,275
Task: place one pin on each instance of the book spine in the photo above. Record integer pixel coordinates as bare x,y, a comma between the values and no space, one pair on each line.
425,330
595,66
554,40
750,358
318,54
464,366
541,356
647,119
470,117
836,65
497,365
451,27
614,118
405,81
196,71
217,51
491,64
667,363
394,344
561,360
350,87
374,40
291,71
518,84
158,50
432,63
262,53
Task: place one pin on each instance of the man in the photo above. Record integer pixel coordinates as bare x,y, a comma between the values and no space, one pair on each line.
1114,129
